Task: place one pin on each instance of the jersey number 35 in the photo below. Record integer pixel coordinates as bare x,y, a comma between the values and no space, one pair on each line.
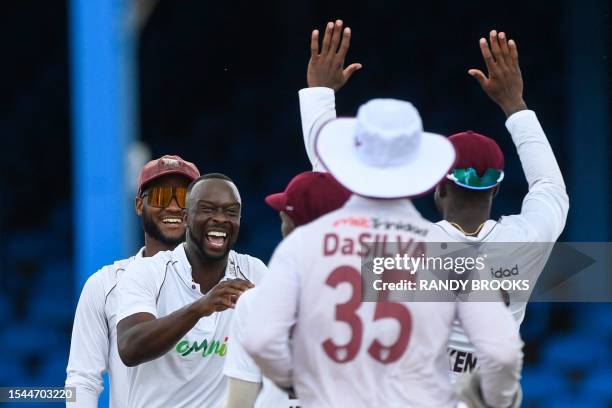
346,312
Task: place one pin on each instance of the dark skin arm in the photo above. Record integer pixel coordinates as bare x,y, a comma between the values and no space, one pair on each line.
141,337
504,85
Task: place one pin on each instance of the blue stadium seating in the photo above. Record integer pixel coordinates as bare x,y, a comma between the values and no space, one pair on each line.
576,352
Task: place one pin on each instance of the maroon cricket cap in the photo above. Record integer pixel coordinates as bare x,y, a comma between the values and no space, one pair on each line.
308,196
477,151
168,164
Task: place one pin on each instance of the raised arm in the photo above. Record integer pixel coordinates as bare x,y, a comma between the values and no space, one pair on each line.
142,337
325,75
544,210
89,345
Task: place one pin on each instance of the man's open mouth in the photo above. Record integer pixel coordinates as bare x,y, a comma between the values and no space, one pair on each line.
216,239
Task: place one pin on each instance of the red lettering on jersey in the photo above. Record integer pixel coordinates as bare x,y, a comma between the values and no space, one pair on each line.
420,249
403,247
348,247
330,244
353,222
363,242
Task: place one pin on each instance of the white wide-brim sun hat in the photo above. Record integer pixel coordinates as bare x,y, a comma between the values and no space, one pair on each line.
384,152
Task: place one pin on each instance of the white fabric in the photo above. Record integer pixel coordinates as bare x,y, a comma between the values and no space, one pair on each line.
161,285
317,107
542,219
239,365
383,152
93,348
295,298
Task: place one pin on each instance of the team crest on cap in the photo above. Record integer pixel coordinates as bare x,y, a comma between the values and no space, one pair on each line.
170,163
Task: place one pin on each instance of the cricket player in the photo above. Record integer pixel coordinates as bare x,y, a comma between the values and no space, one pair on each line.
308,196
319,337
175,308
465,197
160,203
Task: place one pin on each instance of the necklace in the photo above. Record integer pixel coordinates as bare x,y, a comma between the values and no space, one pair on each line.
469,234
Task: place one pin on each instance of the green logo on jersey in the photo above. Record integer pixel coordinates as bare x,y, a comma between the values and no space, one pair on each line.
184,348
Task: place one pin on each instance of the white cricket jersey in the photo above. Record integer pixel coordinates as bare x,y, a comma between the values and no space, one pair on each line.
541,220
238,364
93,348
191,373
542,216
308,326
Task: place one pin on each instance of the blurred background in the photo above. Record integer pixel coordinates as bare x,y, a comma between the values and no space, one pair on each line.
94,88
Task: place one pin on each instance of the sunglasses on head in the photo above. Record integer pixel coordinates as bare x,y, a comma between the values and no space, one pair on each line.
469,178
161,197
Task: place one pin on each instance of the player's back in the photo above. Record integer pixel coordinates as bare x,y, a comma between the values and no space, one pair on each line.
349,353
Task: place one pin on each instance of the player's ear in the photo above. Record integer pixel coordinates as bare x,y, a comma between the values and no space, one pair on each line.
442,189
138,205
495,191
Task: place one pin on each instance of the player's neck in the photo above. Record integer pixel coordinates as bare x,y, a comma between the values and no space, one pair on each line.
205,271
469,219
153,246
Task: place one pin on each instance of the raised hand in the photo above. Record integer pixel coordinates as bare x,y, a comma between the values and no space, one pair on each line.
223,296
504,85
326,65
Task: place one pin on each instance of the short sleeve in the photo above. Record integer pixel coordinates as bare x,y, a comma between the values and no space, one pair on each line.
138,288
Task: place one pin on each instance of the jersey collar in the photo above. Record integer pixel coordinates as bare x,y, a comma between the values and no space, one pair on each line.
183,267
399,207
458,235
140,253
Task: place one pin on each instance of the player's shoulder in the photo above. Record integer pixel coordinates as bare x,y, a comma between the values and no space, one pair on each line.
514,228
104,279
152,264
251,267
